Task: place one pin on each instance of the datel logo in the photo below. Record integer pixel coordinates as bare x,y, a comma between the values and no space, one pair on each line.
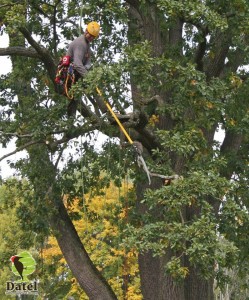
23,264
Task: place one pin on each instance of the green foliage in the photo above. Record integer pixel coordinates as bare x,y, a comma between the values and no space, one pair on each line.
140,63
194,10
15,17
13,239
195,237
185,143
176,270
11,199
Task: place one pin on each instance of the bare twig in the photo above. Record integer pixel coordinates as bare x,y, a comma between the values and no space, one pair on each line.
23,147
6,5
167,177
59,157
15,134
182,218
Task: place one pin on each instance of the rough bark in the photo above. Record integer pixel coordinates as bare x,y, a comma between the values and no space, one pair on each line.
197,288
155,285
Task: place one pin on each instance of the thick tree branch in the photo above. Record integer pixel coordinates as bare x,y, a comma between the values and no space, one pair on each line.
218,54
133,3
134,12
175,36
43,52
200,52
19,51
72,133
236,58
68,135
230,148
231,142
90,279
148,139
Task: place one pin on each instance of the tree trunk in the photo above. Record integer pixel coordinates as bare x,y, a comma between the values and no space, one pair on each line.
155,284
196,288
89,278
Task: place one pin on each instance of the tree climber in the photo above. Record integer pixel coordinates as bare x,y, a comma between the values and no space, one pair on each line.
79,55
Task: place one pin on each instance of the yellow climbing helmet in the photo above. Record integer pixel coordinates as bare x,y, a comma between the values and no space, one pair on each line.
93,28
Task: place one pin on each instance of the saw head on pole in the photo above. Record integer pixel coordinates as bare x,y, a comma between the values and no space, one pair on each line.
138,148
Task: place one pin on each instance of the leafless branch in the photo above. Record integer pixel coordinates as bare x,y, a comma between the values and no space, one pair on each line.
58,158
23,147
6,5
214,65
166,177
15,134
43,52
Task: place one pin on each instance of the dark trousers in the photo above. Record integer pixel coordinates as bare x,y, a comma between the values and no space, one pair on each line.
95,99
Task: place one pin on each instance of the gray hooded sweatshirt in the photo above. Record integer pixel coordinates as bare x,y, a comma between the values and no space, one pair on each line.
79,50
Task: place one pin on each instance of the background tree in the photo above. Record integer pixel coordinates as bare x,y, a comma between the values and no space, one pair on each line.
185,64
12,237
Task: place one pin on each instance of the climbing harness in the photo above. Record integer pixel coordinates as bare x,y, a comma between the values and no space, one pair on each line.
140,159
65,76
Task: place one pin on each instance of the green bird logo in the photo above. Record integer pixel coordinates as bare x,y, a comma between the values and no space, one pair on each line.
23,264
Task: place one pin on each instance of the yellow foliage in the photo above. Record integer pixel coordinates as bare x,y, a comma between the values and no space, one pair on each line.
236,82
100,236
154,119
232,122
52,249
192,94
132,293
211,54
209,104
185,271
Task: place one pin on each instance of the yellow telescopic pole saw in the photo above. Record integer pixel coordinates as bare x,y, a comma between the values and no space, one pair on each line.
139,156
